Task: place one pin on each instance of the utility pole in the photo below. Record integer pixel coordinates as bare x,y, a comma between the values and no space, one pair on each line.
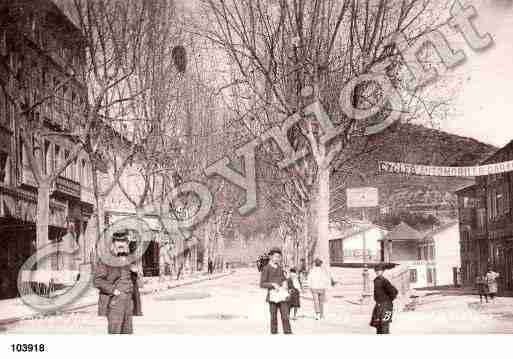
363,197
365,274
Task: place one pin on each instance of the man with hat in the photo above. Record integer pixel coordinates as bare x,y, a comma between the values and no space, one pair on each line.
119,293
384,295
273,279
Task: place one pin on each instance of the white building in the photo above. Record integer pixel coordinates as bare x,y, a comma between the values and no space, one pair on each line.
347,242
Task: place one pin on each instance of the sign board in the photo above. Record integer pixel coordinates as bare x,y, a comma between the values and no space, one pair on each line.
362,197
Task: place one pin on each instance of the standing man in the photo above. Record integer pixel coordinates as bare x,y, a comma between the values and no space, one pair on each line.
119,293
210,266
273,278
384,295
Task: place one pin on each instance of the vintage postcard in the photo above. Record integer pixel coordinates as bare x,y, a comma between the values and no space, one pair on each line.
255,167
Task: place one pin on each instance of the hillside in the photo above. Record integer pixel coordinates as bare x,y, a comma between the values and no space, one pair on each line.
397,193
415,144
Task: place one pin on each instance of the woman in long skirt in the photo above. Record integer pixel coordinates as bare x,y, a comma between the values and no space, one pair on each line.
491,281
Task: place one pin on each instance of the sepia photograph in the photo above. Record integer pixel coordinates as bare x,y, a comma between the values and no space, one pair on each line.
255,167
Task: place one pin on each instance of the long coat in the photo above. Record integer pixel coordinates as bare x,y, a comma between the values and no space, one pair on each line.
105,279
384,295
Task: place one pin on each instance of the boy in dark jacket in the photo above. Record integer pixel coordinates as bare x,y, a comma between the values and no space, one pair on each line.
384,295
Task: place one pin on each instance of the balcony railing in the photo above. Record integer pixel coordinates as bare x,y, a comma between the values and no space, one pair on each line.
67,187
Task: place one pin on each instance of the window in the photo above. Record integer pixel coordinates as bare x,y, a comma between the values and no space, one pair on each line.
69,168
56,157
413,276
64,102
3,109
81,172
499,198
505,193
481,218
431,252
20,152
419,253
489,204
430,275
3,167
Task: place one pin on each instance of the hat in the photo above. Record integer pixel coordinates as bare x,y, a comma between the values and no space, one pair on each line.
379,267
120,236
318,262
274,250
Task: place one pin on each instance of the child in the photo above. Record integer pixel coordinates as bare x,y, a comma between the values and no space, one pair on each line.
294,287
384,295
482,288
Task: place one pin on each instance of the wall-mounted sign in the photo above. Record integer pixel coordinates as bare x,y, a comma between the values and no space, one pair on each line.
361,197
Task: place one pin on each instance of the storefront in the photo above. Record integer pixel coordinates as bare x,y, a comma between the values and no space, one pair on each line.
18,239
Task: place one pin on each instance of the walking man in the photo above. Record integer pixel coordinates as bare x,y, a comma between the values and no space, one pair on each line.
119,293
319,281
384,295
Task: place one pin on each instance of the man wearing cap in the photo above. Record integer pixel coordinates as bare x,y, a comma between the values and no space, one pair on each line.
119,293
273,278
384,295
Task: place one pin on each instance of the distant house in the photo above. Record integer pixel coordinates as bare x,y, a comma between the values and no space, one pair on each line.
432,257
347,242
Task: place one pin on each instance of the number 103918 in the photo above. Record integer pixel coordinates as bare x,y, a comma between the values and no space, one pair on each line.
28,347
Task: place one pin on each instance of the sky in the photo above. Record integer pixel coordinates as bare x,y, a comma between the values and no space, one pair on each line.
485,101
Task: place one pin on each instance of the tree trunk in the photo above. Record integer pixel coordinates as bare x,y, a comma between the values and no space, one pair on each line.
306,229
206,243
321,215
43,220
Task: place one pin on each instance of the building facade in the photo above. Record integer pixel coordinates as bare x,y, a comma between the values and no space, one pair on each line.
432,258
347,243
486,224
37,43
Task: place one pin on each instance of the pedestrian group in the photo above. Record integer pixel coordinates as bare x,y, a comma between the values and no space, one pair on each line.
283,292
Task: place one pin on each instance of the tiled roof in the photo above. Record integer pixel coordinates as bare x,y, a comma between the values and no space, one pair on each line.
403,232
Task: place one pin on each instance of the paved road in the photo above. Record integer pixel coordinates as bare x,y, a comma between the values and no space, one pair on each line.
235,305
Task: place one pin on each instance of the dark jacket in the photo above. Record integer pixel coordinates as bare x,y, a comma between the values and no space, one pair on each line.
384,291
384,295
105,279
271,275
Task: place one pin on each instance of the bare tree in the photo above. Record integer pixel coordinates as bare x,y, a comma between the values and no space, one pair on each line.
124,74
288,54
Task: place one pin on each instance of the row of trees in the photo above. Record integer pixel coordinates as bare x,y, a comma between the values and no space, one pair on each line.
283,55
134,113
142,113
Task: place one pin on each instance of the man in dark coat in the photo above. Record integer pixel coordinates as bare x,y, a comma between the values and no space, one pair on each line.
210,266
119,292
384,295
273,277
